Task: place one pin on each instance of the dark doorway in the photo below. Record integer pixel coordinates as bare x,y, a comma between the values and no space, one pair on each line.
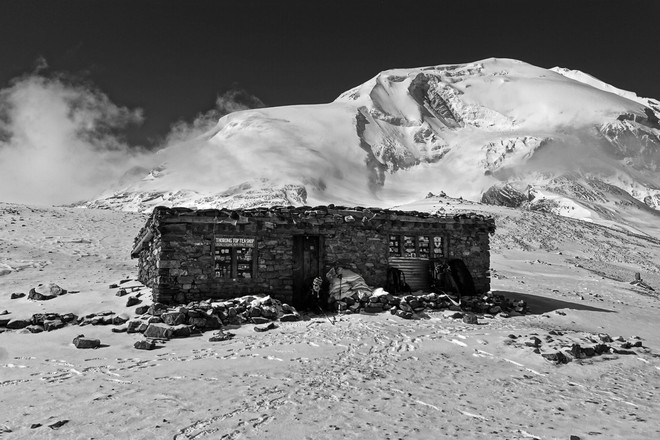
306,267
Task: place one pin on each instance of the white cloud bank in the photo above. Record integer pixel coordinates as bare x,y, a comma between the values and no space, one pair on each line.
60,141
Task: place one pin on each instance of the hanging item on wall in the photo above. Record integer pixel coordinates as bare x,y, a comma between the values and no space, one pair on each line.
409,249
243,262
395,246
437,247
424,246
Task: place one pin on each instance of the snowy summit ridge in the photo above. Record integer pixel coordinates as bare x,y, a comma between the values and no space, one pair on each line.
563,140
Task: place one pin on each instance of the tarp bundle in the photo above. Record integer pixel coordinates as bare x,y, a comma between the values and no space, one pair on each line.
345,283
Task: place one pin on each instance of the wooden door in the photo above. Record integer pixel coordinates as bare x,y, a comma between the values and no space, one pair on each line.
306,267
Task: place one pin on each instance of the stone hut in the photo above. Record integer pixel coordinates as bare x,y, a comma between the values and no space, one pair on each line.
187,254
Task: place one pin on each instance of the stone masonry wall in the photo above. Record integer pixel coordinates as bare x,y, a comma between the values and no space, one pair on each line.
472,245
178,262
362,250
148,262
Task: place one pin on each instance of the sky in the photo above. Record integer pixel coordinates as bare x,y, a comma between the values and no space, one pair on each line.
91,88
171,59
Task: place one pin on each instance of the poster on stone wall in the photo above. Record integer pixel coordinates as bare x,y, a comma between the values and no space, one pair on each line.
243,262
424,246
223,257
395,246
437,247
409,246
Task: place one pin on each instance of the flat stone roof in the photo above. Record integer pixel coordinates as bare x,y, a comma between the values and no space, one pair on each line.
324,214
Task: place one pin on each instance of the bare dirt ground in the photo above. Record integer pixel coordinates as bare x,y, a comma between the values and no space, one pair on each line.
365,376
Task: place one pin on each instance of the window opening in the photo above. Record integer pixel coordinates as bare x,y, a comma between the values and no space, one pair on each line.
234,257
411,246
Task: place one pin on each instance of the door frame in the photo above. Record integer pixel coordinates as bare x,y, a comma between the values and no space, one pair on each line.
304,271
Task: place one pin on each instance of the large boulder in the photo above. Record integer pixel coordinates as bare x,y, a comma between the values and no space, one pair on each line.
269,312
81,342
173,318
373,308
36,296
158,331
213,322
134,326
69,317
119,319
145,344
199,322
181,331
16,324
221,336
53,324
141,310
45,292
132,301
290,317
157,309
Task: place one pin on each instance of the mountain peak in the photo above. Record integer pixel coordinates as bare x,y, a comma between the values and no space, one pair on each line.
458,128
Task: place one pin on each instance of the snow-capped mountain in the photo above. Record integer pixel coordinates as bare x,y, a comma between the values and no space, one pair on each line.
560,139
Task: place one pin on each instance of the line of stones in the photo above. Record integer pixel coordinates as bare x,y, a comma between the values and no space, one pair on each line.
40,322
407,306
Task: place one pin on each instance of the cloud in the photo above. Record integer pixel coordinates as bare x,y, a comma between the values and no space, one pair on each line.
61,140
40,64
233,100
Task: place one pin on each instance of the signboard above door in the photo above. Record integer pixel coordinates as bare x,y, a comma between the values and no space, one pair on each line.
234,242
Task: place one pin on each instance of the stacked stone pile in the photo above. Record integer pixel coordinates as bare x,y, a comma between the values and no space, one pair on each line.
162,322
559,348
43,292
407,306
